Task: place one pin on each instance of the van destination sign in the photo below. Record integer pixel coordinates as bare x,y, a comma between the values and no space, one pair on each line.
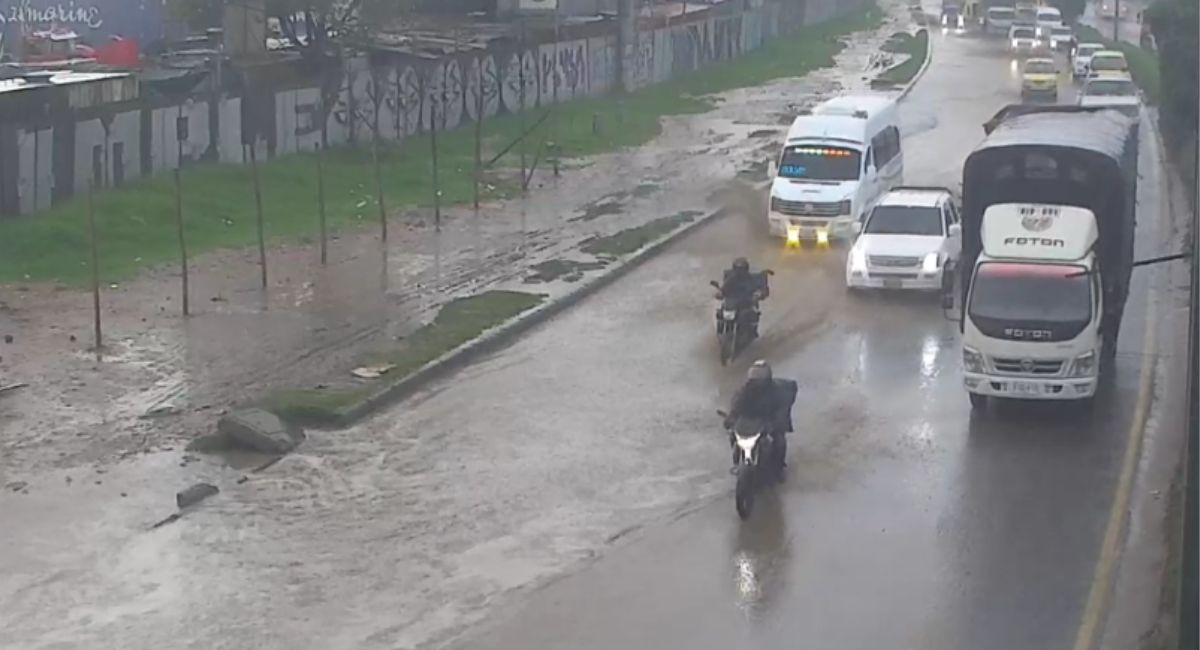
24,12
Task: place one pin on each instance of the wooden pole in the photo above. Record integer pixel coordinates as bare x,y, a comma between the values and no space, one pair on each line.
437,191
521,112
183,262
91,212
557,80
479,135
321,204
1117,22
262,243
383,230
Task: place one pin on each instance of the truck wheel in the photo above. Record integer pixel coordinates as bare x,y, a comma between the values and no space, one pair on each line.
978,402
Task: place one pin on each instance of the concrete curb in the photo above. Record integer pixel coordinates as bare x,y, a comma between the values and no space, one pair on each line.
912,83
505,333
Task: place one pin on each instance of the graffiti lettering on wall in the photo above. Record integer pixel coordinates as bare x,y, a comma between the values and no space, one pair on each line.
643,63
519,88
67,14
394,101
483,77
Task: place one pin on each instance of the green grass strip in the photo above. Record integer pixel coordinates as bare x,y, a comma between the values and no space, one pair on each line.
457,323
916,47
136,223
633,239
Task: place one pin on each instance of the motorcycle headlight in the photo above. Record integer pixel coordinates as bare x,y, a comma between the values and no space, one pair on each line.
931,263
844,207
747,443
1084,365
858,260
972,360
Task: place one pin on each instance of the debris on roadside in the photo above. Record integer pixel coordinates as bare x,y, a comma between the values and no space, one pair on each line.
4,390
372,372
195,494
251,429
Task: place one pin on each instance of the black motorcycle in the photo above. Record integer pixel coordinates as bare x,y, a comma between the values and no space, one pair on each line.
735,323
756,460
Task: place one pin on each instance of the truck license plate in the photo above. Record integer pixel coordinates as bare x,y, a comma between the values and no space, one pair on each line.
1026,388
892,283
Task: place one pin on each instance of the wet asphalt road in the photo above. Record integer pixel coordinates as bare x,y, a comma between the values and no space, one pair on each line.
907,522
571,491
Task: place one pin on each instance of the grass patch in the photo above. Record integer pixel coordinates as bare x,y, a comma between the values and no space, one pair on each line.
136,224
898,43
315,407
568,270
1143,64
632,240
458,322
916,47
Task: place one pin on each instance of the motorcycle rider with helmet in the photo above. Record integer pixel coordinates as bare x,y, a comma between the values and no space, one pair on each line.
765,397
744,289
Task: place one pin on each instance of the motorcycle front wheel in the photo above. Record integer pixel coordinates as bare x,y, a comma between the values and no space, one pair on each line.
743,494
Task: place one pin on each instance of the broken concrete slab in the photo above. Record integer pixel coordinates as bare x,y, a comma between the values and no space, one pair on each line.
261,431
195,494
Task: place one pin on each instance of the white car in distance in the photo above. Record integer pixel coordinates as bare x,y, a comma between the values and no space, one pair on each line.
1112,90
1060,38
1023,39
1083,57
911,240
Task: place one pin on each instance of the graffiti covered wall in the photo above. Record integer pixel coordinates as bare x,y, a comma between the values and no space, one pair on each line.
397,98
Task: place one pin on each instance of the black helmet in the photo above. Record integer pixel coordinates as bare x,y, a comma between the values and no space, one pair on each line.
760,371
741,264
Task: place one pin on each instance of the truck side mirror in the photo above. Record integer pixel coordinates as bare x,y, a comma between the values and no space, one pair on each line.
772,168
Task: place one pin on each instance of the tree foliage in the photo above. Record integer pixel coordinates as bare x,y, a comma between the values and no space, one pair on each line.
1173,23
1071,9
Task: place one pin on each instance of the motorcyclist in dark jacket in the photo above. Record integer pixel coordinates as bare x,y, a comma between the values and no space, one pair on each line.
743,288
765,397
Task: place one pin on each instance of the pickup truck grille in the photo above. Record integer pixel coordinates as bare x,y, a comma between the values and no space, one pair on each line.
805,208
1027,366
891,261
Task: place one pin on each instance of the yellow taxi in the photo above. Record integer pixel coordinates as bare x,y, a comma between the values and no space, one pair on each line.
1039,78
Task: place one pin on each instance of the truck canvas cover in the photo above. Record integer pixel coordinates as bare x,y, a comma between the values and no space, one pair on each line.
1058,155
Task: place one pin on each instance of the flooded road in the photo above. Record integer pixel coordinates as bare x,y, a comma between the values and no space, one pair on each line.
571,491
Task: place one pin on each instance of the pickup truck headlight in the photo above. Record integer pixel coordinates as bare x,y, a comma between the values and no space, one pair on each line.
844,207
931,263
774,204
972,360
1084,365
858,260
1014,43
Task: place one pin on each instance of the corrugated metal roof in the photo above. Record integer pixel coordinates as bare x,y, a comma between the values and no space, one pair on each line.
1100,131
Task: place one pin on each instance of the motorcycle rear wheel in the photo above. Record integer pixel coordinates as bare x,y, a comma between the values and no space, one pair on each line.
728,344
